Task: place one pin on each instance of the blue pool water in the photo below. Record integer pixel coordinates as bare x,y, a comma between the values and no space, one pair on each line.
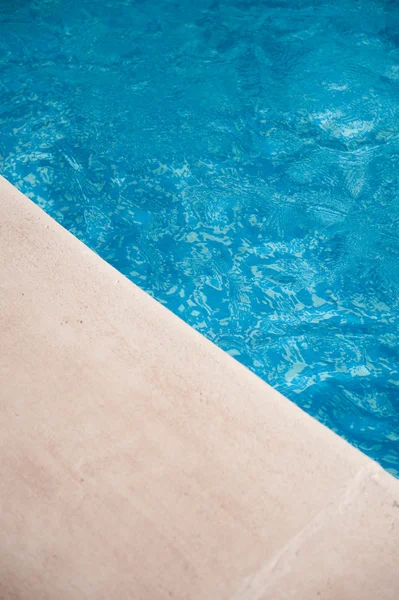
239,161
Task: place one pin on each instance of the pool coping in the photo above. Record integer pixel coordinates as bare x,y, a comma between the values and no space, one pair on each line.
141,461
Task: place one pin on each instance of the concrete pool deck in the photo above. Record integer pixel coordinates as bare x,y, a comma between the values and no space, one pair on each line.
139,461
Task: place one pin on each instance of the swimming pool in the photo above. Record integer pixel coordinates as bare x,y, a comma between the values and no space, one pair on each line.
237,160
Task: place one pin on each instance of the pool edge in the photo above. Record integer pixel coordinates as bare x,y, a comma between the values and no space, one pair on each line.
276,492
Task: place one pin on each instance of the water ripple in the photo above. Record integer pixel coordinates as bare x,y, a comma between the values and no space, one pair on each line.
238,160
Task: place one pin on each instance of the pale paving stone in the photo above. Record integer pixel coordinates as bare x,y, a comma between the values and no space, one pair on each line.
137,459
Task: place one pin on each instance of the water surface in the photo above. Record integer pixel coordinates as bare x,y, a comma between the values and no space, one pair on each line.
238,160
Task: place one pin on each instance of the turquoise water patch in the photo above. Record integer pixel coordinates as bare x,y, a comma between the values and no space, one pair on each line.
237,160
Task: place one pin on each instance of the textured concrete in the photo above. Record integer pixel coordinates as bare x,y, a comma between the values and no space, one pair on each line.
138,461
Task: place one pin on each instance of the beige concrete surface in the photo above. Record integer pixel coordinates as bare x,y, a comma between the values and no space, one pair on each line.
138,461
